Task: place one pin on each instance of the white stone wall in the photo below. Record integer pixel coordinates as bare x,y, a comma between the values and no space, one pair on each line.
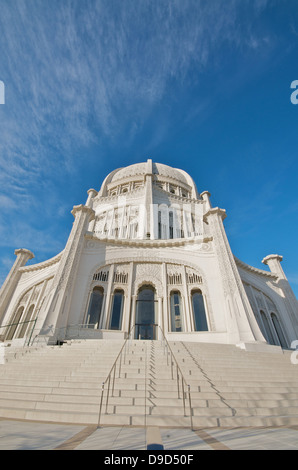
31,291
148,225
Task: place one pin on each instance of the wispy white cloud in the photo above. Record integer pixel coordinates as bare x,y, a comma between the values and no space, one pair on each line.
66,62
78,72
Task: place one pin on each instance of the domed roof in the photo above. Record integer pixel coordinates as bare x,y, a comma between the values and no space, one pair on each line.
149,167
129,171
142,169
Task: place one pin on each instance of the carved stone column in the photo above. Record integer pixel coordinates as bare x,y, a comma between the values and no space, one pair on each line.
64,279
291,303
147,207
133,315
128,306
159,321
108,304
187,304
12,279
240,320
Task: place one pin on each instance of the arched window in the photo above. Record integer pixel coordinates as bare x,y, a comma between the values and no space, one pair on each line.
266,328
163,222
159,224
176,311
117,310
279,331
171,225
26,323
145,325
95,307
199,312
14,323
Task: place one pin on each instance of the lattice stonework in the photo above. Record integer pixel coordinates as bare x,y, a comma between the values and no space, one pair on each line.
174,274
102,276
192,277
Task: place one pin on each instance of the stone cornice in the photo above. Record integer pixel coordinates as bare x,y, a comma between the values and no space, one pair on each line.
269,257
176,242
24,251
93,192
205,192
216,210
82,208
43,264
254,270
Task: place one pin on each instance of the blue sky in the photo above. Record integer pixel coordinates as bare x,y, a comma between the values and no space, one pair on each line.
202,85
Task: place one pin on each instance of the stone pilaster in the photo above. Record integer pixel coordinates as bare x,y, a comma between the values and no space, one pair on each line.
290,301
63,281
92,193
240,320
12,279
273,262
206,198
148,202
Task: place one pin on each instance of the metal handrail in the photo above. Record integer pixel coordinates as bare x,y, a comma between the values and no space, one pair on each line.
22,323
183,380
185,392
63,336
18,323
108,379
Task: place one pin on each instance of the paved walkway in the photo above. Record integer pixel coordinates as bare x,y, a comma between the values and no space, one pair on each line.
24,435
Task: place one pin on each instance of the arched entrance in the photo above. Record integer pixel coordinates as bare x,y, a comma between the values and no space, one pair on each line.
146,313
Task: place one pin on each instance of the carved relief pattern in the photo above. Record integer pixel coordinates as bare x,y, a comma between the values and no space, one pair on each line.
174,269
151,270
148,272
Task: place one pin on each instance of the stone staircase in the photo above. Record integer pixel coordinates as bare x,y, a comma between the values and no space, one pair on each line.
57,383
228,386
255,389
146,392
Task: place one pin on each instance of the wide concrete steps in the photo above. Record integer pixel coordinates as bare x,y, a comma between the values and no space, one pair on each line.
261,389
145,393
228,386
60,384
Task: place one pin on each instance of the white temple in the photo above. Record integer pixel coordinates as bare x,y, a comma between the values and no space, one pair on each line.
148,255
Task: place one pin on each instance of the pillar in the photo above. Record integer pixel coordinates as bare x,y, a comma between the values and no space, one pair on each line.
240,320
206,198
159,320
91,194
147,207
187,304
290,301
107,309
128,307
12,279
273,262
165,323
63,282
133,315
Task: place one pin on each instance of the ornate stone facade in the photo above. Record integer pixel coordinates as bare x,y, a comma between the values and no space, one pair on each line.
148,254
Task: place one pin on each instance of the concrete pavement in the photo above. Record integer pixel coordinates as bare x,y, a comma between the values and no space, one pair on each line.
24,435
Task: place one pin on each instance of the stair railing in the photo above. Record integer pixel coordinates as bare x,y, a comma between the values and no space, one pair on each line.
178,376
27,334
109,382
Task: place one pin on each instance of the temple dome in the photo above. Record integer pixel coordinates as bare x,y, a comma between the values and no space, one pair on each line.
160,170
